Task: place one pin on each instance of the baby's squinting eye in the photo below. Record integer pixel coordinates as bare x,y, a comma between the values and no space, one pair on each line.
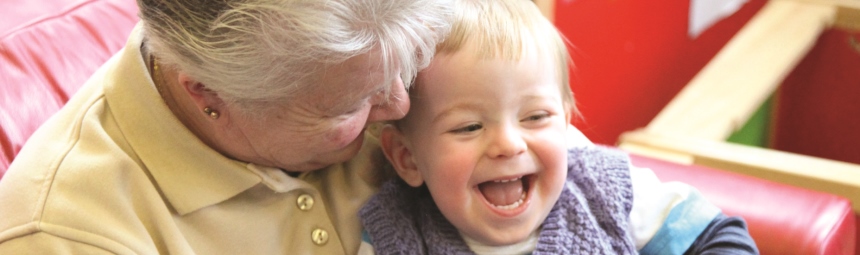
536,117
469,128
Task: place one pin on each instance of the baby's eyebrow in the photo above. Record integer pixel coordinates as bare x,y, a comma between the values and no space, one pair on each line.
468,106
538,97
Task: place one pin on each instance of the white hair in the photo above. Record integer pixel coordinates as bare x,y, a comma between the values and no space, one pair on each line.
259,53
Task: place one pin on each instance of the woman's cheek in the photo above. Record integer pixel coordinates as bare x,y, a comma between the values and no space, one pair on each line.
347,131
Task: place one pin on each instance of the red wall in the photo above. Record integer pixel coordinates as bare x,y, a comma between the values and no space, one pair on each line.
632,57
817,110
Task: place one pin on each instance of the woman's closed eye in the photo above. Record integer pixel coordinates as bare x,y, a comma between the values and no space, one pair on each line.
351,111
346,111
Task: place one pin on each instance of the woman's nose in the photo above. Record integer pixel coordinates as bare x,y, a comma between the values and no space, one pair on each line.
392,107
507,142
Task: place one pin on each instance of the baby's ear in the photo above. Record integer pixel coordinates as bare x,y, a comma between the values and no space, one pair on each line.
396,149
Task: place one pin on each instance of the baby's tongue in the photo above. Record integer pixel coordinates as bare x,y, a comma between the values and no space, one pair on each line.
502,193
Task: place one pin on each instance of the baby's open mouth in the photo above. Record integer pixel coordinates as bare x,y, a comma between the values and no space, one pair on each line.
506,194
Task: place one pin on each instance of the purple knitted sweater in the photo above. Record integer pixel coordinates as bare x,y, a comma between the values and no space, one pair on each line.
404,220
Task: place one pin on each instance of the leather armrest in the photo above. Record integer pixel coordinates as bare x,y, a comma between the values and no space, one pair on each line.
47,51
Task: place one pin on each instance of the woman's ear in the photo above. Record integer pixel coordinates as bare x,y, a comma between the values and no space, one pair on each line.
396,149
201,95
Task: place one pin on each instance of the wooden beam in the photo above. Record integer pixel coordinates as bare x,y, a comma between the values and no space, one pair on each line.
848,18
848,12
853,4
726,92
830,176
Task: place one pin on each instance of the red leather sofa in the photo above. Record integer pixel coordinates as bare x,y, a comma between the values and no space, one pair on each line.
48,48
782,219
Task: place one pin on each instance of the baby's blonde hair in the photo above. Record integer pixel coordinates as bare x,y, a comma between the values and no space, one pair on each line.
500,28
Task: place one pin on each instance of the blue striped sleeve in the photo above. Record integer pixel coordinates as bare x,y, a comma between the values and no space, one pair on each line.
366,247
365,237
682,226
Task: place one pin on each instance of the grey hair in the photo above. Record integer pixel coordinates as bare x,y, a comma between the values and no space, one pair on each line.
260,53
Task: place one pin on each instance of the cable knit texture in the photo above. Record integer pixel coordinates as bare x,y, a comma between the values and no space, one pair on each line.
590,217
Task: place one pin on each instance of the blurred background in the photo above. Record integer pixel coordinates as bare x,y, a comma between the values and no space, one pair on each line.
632,57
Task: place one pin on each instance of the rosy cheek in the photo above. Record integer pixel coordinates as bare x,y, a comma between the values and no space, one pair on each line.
457,168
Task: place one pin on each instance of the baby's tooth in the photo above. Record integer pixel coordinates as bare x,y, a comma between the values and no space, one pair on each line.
508,180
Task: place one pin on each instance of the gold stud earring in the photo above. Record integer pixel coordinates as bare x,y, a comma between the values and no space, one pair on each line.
212,113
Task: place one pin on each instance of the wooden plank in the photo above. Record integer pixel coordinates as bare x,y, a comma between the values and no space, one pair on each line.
830,176
671,156
848,18
723,95
848,12
854,4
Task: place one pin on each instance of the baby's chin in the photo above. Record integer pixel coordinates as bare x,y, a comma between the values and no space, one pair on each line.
500,237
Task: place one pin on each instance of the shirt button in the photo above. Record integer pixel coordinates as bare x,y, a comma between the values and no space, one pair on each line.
305,202
319,236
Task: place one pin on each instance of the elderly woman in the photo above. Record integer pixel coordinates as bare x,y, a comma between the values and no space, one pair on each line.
223,127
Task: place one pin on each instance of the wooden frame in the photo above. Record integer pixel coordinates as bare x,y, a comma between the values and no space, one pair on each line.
692,128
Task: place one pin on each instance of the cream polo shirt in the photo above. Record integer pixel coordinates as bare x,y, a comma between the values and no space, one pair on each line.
115,172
